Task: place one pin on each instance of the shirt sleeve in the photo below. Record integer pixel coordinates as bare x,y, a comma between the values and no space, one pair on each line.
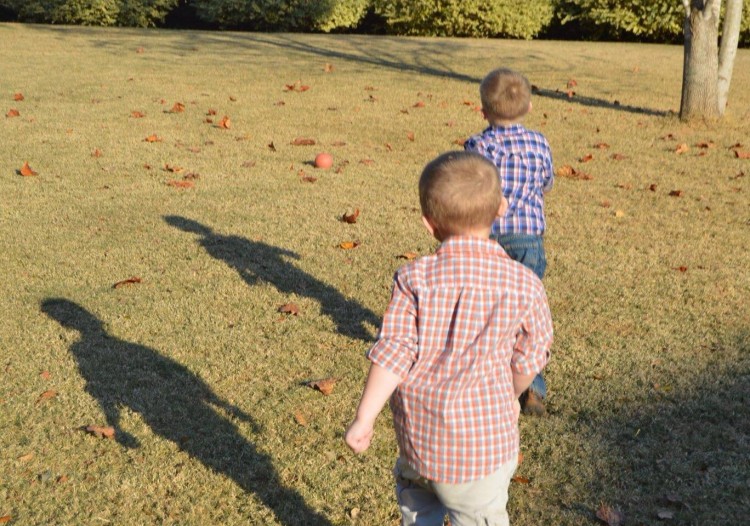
549,172
396,347
531,351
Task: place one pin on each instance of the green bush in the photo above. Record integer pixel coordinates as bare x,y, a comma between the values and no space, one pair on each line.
282,15
466,18
141,13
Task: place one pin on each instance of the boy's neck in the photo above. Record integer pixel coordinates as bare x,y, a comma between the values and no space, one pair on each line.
505,123
479,233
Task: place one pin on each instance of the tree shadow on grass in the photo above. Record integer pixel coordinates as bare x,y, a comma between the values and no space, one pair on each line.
177,406
684,455
257,262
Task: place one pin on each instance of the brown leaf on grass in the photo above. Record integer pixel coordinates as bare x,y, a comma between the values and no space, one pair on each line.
18,97
460,141
652,187
178,107
739,154
191,176
271,146
682,148
418,104
601,146
289,308
140,50
624,186
328,68
224,123
13,113
175,183
617,157
153,138
572,83
96,153
297,86
62,479
705,144
676,193
26,457
568,172
518,479
586,158
325,385
388,147
408,256
101,431
609,515
129,281
351,218
348,245
606,203
137,114
410,136
570,93
5,519
45,374
309,178
366,162
233,98
300,418
681,268
303,141
26,170
46,395
173,168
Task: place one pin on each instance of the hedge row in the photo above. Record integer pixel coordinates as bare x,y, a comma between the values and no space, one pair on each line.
642,20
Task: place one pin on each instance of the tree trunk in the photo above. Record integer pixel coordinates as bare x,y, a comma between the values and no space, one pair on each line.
730,35
700,72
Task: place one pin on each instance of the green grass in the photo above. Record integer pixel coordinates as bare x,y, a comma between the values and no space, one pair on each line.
650,377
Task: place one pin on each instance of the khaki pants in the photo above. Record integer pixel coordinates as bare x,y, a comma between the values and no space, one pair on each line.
479,502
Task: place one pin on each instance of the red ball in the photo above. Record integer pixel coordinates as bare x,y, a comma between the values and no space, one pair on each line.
323,160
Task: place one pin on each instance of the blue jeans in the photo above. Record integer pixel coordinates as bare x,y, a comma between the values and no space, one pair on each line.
529,251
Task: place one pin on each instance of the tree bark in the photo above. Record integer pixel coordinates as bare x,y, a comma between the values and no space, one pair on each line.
700,72
730,35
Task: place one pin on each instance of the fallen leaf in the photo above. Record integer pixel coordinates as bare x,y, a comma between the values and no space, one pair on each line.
351,218
348,245
46,395
208,120
129,281
153,138
328,68
410,136
309,178
606,203
172,168
271,146
624,186
619,213
26,170
13,113
520,458
665,515
191,176
408,256
609,515
325,385
741,155
572,83
233,98
137,114
705,144
681,268
300,418
569,172
682,148
388,147
180,183
570,93
652,187
586,158
18,97
26,457
45,374
601,146
366,162
62,479
5,518
289,308
140,50
676,193
518,479
96,153
418,104
224,123
101,431
303,141
177,108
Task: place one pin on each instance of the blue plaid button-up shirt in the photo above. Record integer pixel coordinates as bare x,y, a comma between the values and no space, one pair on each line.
524,160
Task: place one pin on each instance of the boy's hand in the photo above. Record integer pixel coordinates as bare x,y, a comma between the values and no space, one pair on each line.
358,436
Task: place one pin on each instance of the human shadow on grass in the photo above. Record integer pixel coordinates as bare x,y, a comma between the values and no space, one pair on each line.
258,262
178,406
683,457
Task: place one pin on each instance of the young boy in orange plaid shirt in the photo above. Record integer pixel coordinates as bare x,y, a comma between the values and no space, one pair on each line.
466,331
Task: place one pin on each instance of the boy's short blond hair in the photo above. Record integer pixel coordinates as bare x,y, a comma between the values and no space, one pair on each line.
460,191
506,95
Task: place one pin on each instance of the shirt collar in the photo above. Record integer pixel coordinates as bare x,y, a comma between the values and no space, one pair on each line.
510,129
471,244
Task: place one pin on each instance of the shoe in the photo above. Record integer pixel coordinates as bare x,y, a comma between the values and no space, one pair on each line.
532,404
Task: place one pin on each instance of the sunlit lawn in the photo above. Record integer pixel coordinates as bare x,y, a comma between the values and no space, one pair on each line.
217,227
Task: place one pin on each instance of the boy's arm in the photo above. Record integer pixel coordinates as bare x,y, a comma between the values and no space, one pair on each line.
533,342
379,387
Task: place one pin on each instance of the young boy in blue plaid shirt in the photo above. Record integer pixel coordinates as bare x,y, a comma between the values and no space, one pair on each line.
524,162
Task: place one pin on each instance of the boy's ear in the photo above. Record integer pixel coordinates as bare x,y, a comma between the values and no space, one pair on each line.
428,225
503,207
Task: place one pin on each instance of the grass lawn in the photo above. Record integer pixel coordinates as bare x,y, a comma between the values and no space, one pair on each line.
217,226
